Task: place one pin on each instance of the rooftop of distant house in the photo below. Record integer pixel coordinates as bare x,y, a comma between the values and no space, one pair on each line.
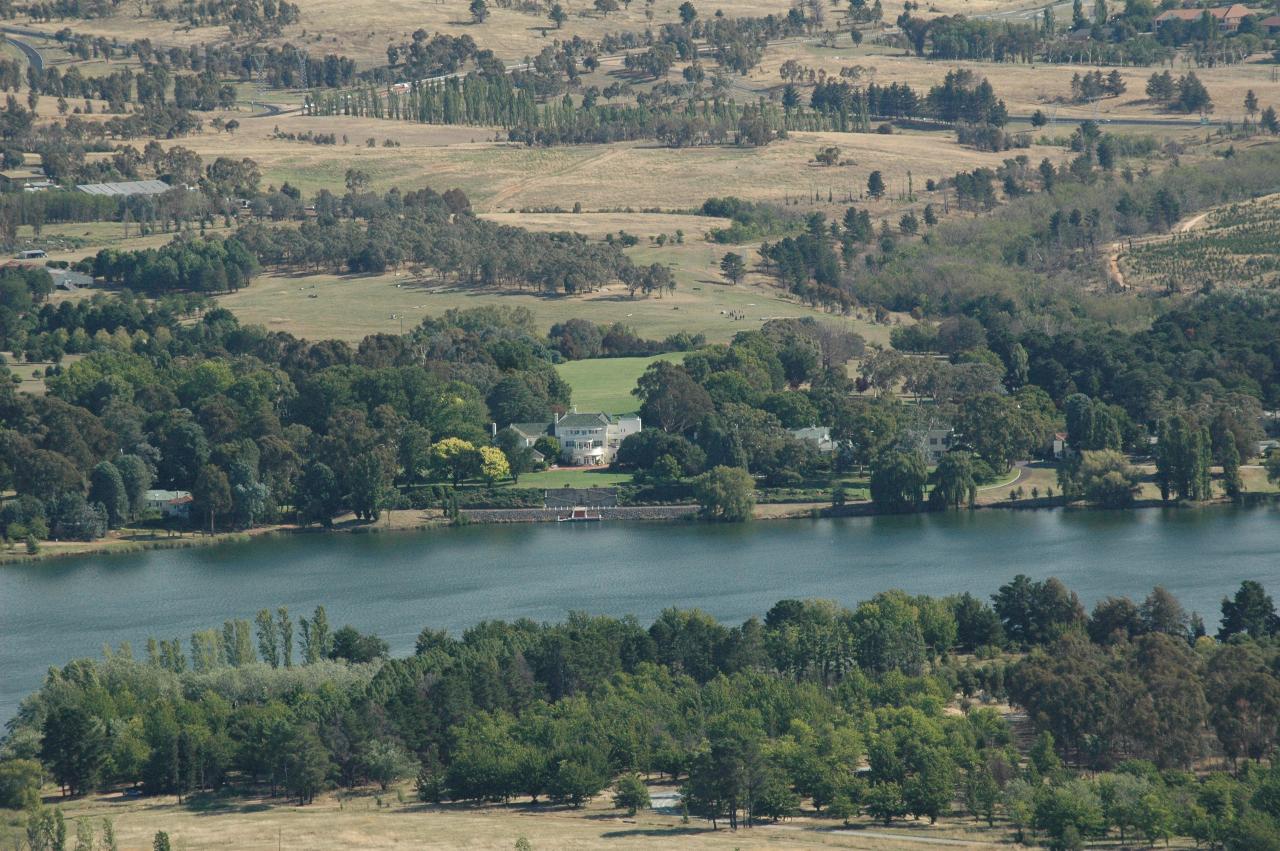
128,187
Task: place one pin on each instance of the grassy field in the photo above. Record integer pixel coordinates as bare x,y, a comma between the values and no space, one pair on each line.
573,479
349,307
362,821
31,374
500,176
605,384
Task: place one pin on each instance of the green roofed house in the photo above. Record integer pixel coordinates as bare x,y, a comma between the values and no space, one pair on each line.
530,432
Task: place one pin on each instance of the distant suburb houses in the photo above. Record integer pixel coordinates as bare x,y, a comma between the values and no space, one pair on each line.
1228,18
586,440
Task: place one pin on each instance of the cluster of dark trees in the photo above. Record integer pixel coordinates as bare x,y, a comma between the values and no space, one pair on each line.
1184,94
488,100
258,18
758,721
259,426
579,339
168,121
731,406
188,265
960,97
1113,35
436,231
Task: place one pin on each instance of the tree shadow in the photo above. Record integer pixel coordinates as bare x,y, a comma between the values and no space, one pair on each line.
654,832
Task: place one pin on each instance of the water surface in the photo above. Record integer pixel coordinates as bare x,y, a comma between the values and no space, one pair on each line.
395,584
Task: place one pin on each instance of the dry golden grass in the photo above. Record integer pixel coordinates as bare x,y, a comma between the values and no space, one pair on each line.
1026,88
358,821
501,176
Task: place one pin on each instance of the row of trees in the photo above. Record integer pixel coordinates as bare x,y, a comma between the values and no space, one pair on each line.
815,707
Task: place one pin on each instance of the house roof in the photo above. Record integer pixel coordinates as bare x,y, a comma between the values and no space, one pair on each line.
584,420
531,429
69,279
1273,21
129,187
1220,13
168,496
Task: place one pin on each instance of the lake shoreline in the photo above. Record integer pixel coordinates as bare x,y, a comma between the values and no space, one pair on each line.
675,513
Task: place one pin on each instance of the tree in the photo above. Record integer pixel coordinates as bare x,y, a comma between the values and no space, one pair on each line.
733,266
1103,477
953,482
493,464
318,497
370,482
285,628
349,645
1036,612
317,642
20,784
1251,612
520,458
1232,484
884,802
212,493
479,11
630,793
932,784
307,765
888,633
268,638
828,156
74,748
386,762
1250,103
670,398
160,842
106,487
687,13
249,497
875,185
137,478
725,493
456,459
558,15
1270,123
1182,459
898,481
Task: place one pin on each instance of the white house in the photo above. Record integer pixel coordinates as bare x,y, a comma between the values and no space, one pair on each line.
819,436
934,441
169,503
591,440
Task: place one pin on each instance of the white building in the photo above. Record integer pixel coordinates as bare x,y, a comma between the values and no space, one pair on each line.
819,436
169,503
934,442
591,440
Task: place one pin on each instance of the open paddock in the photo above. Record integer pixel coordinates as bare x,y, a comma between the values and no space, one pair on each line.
500,176
349,307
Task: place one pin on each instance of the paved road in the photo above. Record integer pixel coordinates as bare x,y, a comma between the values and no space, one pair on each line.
33,55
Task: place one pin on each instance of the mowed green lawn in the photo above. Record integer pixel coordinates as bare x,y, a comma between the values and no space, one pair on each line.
605,384
573,479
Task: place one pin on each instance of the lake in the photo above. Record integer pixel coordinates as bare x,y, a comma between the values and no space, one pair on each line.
394,584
